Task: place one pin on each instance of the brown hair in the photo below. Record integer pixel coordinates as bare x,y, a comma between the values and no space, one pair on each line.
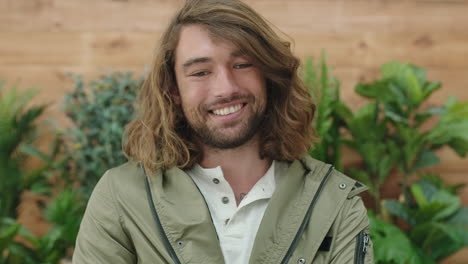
160,137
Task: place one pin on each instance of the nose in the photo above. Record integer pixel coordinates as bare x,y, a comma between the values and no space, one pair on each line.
225,84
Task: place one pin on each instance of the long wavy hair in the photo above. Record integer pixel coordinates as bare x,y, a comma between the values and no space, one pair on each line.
160,137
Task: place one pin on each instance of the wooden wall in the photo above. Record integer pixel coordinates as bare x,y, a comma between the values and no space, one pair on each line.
42,40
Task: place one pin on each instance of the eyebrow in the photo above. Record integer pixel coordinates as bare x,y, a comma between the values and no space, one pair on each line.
192,61
196,60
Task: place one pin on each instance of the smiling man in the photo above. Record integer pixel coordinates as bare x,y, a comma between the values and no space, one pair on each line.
218,170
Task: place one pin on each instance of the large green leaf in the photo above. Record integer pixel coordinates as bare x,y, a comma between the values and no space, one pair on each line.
8,230
370,90
407,84
438,239
384,166
400,210
421,117
413,86
391,245
451,127
34,152
451,201
425,158
392,69
460,217
418,194
460,146
430,87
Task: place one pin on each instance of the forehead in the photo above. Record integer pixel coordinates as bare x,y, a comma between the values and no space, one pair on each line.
197,40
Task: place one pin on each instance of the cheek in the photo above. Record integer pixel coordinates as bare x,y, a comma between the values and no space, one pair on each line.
191,95
258,84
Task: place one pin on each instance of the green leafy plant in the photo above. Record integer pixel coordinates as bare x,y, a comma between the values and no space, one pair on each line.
17,132
410,140
393,130
18,126
369,137
330,111
64,212
439,224
392,245
99,112
398,132
9,229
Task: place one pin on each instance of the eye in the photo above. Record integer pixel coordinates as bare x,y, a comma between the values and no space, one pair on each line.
242,65
199,74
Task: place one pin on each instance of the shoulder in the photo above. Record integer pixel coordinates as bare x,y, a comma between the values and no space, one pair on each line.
125,172
120,185
336,180
340,197
123,176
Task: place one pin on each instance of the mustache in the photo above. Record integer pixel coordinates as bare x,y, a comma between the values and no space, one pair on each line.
249,98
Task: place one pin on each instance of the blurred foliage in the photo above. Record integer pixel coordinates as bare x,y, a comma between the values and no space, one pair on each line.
99,112
330,110
64,212
410,139
18,127
397,131
392,245
394,130
18,136
438,225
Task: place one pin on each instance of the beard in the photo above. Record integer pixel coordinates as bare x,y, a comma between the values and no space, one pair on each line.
231,134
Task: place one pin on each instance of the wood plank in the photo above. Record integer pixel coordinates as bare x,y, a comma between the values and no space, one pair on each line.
99,15
458,257
91,49
309,16
359,16
434,50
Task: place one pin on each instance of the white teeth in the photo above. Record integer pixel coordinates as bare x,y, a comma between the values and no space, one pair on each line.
227,110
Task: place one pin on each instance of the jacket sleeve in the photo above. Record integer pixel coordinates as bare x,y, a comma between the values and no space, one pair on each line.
102,238
352,239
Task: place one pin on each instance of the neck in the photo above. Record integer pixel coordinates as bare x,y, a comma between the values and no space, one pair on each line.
242,167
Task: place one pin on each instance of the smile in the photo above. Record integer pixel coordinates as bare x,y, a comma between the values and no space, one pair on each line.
228,110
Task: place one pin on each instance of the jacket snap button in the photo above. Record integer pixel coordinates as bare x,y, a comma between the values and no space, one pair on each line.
180,244
225,200
215,180
301,261
342,186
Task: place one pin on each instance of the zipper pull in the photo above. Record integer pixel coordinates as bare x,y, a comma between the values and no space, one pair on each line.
365,243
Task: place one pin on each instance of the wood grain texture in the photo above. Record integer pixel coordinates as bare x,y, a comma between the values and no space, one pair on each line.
357,50
289,16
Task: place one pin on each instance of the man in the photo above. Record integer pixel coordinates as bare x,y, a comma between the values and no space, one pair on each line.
218,169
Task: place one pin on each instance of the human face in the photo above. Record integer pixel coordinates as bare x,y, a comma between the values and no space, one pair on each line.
222,92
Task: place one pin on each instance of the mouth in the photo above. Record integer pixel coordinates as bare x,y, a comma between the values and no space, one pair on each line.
224,111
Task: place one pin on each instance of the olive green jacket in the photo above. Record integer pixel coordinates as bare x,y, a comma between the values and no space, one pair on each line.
314,216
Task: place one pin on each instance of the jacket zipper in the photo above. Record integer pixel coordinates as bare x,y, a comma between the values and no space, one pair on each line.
166,242
293,245
362,241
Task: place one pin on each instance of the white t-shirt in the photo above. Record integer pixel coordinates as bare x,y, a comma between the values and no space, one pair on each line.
236,225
